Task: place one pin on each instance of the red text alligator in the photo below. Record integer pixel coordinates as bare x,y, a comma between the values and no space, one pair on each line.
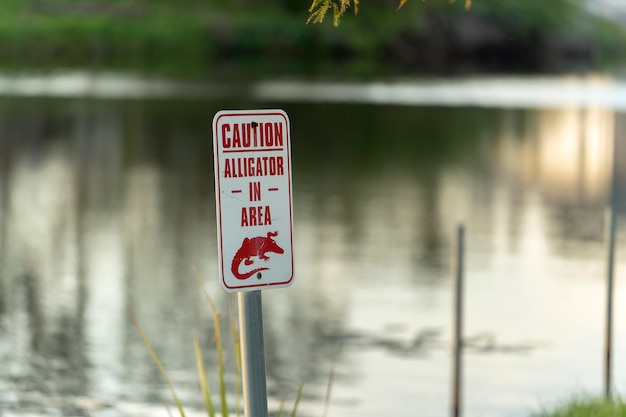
257,246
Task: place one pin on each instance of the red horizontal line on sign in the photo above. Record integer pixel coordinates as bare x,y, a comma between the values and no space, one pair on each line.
235,191
253,150
273,189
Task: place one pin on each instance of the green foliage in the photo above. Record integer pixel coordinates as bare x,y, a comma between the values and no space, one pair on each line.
527,14
95,39
587,407
531,14
222,38
320,8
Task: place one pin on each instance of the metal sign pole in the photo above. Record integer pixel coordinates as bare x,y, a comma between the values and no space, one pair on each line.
252,354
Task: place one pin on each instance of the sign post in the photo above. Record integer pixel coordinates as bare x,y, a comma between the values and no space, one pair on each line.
252,150
252,354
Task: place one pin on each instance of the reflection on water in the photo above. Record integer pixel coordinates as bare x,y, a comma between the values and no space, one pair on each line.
106,205
566,152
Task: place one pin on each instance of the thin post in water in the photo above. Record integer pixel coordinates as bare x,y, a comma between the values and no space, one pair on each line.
610,236
611,226
252,354
458,320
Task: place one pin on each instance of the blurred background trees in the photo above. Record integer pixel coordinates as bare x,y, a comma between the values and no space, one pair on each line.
200,38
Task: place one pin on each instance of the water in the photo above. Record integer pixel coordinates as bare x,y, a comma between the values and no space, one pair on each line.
106,204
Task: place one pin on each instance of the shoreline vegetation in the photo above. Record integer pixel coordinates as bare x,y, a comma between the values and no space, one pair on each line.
225,39
587,406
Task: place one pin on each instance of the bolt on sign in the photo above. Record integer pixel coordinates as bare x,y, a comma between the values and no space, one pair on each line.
252,151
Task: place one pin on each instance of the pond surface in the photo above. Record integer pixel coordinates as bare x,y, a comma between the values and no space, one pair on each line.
107,205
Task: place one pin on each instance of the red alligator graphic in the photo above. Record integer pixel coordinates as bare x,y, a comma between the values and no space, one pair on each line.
257,246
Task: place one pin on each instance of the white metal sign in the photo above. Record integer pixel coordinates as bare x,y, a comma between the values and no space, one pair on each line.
252,150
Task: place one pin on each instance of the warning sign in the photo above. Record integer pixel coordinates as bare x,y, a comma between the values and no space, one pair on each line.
252,152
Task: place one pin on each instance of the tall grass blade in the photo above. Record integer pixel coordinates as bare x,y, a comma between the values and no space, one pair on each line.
235,333
329,388
294,413
218,345
196,275
220,363
167,408
208,403
281,408
158,363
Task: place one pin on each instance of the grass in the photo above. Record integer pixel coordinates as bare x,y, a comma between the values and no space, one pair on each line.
587,406
202,374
